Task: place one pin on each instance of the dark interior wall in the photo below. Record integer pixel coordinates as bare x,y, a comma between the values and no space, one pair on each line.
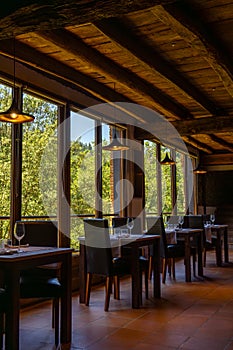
215,188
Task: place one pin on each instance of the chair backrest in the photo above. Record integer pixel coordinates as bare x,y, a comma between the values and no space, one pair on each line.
122,223
195,221
155,226
174,219
98,246
40,233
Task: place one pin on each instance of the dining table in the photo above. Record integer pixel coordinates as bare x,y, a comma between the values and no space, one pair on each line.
135,242
12,263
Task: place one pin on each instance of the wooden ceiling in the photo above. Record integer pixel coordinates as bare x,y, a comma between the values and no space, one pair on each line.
175,57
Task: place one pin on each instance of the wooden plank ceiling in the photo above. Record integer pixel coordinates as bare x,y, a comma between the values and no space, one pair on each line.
174,57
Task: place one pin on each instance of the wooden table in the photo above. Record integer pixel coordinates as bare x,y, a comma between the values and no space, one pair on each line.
190,234
32,257
135,244
221,231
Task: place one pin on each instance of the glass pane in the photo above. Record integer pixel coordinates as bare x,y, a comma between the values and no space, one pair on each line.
39,163
82,177
107,171
150,167
166,184
180,185
5,161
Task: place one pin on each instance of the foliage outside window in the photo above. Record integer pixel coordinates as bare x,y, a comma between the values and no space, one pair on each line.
166,184
150,170
39,159
180,182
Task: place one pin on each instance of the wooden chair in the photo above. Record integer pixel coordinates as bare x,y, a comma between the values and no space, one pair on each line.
43,281
99,258
168,252
126,253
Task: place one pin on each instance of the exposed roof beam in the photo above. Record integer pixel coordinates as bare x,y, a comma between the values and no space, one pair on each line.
115,29
182,19
109,69
33,58
208,125
201,146
18,17
215,159
222,142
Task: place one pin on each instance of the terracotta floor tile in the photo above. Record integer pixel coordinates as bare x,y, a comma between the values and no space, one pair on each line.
189,316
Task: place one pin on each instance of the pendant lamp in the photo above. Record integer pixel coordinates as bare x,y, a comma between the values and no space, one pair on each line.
14,114
115,144
199,170
167,160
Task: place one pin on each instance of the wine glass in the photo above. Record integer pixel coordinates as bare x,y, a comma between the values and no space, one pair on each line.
181,221
19,233
212,218
130,224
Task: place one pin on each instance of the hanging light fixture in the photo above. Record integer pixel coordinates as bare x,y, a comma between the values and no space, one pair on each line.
199,170
14,114
167,160
115,144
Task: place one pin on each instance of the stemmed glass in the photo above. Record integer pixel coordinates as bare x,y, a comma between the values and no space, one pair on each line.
19,233
212,218
181,221
130,224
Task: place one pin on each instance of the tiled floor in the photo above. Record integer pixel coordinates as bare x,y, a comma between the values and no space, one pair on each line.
190,316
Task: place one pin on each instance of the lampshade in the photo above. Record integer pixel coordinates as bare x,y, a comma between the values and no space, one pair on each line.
15,115
199,170
167,160
115,145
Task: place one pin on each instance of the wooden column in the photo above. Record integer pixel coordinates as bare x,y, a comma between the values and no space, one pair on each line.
98,170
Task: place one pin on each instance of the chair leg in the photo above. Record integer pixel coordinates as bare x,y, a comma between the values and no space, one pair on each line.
170,266
1,330
108,289
146,282
164,270
56,320
116,287
150,267
204,258
194,264
173,268
88,288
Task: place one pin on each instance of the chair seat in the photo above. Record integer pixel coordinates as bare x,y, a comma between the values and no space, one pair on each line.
175,250
39,287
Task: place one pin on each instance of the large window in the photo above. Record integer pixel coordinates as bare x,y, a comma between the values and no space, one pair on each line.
180,183
5,161
150,169
82,179
39,159
166,184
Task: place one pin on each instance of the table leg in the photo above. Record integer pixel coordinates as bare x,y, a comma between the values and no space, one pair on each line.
82,273
199,253
66,300
218,248
226,255
187,259
156,267
136,278
12,316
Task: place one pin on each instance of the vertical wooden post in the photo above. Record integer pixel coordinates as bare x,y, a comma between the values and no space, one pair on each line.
98,170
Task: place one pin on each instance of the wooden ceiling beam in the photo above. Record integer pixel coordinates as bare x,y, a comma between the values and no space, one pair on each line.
208,125
222,142
183,20
150,59
48,65
199,145
18,17
74,45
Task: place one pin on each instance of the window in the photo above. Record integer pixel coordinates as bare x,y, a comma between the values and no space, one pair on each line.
150,169
39,159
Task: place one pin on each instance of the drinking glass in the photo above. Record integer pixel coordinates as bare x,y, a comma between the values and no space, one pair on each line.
212,218
130,224
181,221
19,233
